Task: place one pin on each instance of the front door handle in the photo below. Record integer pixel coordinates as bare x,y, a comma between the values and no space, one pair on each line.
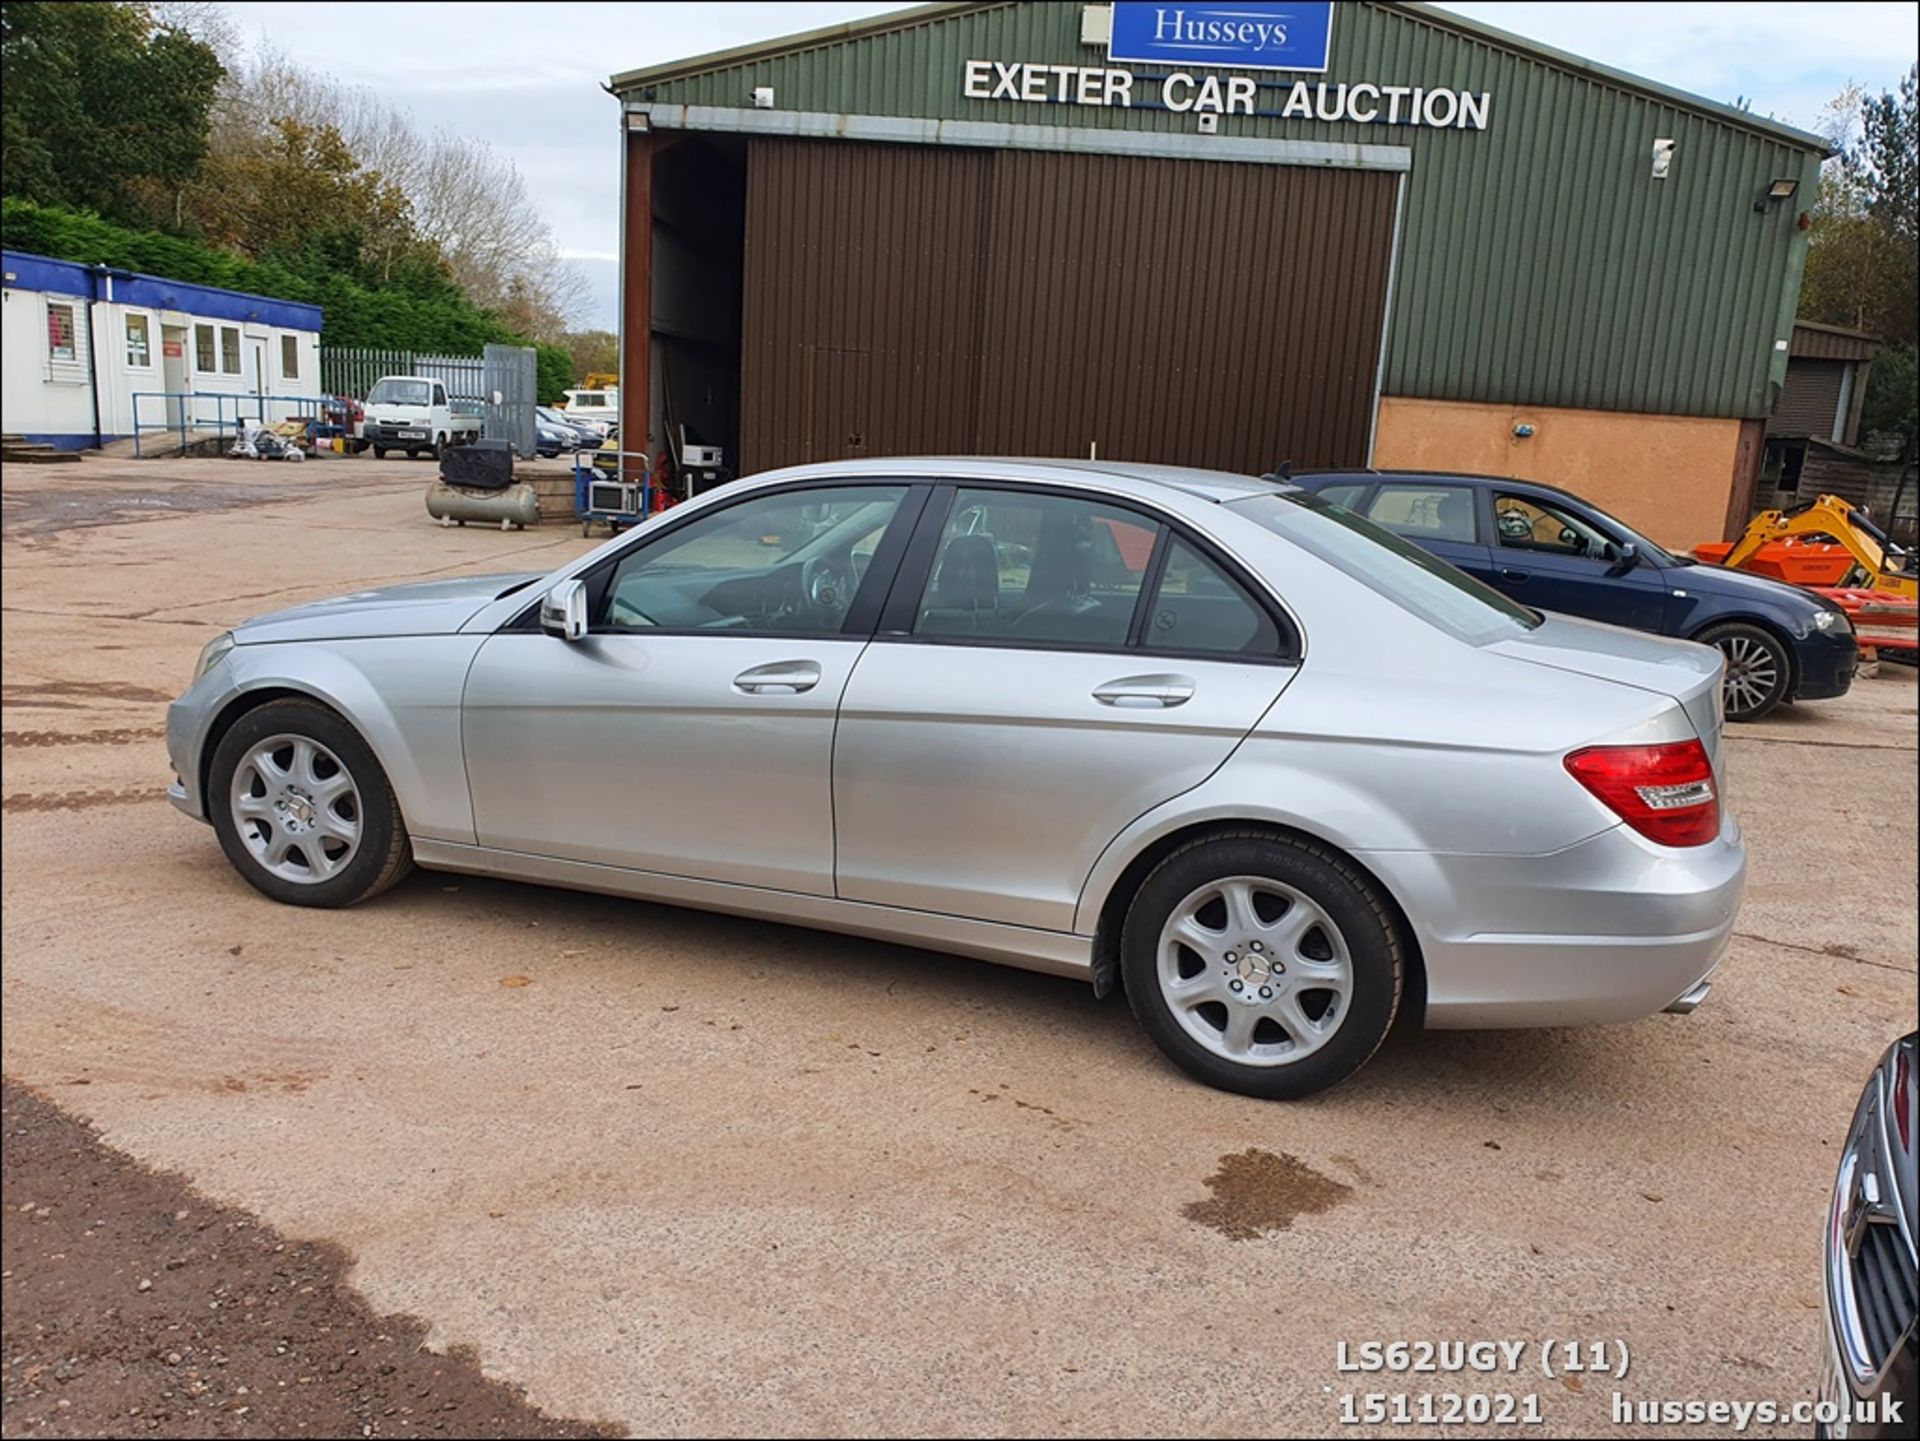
1512,576
781,677
1142,692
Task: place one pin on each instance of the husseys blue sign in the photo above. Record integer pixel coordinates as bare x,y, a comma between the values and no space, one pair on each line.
1246,34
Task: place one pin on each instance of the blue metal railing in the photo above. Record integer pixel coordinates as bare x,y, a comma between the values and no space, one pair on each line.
191,414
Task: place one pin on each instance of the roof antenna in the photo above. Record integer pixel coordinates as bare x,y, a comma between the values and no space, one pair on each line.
1282,476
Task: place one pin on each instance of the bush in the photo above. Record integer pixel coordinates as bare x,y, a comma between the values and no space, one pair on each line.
425,319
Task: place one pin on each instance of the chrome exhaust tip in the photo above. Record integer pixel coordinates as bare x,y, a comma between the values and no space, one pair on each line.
1688,1003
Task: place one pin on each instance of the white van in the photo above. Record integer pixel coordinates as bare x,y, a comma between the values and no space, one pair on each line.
602,405
412,413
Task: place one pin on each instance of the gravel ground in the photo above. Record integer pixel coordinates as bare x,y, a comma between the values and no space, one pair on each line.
683,1174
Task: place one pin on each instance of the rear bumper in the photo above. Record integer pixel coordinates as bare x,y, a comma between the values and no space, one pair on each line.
1612,929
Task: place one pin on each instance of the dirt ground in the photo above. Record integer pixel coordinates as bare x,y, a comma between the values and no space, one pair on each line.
133,1306
684,1174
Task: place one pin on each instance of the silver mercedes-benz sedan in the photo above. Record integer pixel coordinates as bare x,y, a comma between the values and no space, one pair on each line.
1268,768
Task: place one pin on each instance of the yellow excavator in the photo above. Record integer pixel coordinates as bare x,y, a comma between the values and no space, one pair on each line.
1832,547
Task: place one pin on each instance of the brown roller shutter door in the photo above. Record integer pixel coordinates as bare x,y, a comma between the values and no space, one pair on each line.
908,299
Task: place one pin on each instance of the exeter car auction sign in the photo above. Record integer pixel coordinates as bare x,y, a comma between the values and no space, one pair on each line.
1241,35
1247,34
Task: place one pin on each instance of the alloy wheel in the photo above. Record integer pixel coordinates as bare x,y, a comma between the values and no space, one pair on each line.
296,808
1752,672
1255,971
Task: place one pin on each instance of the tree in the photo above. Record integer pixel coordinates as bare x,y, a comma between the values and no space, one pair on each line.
297,194
1863,265
594,352
466,202
101,107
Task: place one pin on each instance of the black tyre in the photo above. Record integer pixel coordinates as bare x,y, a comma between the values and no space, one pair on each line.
303,809
1759,671
1262,964
379,452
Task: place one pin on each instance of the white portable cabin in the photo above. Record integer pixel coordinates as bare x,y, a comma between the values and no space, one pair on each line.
80,342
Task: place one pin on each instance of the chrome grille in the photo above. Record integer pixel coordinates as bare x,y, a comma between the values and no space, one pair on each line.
1884,1290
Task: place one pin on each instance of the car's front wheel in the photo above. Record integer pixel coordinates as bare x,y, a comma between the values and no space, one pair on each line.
1262,964
1758,671
303,809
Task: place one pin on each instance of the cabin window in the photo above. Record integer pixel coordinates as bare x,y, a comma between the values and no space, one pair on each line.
62,341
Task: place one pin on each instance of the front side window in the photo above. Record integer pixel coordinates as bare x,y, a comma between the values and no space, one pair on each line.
1047,569
229,350
790,562
139,348
1199,608
439,394
1526,524
62,338
203,353
1425,512
290,357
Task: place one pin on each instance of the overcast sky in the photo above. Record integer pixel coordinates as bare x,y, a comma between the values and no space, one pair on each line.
527,78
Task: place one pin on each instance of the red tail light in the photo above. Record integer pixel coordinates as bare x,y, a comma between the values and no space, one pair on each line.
1665,792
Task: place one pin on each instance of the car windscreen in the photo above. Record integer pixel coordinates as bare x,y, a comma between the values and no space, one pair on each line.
1408,576
401,392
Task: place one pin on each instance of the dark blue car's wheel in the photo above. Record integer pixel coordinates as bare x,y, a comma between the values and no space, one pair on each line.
1758,671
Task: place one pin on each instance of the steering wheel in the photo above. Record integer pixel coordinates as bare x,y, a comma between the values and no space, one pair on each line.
827,587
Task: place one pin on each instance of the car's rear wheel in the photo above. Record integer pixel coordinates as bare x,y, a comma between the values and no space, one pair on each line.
1758,670
302,808
1262,964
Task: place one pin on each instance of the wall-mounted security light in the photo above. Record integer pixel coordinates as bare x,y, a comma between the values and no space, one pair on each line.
1209,124
1662,158
763,97
1781,189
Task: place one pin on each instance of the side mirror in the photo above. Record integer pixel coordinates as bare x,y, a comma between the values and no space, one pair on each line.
563,610
1624,559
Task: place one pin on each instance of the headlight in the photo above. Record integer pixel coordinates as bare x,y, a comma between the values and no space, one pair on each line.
1832,620
215,652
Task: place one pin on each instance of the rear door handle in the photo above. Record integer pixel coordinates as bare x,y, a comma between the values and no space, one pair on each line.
781,677
1513,577
1142,692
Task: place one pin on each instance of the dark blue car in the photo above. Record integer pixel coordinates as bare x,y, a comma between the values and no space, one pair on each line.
1553,551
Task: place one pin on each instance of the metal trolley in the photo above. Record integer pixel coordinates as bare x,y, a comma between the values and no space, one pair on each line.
600,495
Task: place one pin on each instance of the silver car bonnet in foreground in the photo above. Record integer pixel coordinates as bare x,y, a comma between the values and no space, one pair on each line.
1199,734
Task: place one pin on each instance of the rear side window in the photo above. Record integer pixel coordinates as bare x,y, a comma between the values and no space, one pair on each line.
1025,567
1425,512
1199,608
1345,494
1420,583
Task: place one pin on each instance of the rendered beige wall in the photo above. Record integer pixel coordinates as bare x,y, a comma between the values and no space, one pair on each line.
1670,476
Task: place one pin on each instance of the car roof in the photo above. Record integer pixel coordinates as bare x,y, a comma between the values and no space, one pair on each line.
1216,485
1457,477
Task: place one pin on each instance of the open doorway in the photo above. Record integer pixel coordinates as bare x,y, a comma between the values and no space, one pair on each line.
699,241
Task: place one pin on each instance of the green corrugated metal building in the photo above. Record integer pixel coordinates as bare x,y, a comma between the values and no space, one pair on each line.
1040,228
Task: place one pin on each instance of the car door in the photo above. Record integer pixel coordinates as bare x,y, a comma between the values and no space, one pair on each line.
690,732
1437,515
1051,665
1552,556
